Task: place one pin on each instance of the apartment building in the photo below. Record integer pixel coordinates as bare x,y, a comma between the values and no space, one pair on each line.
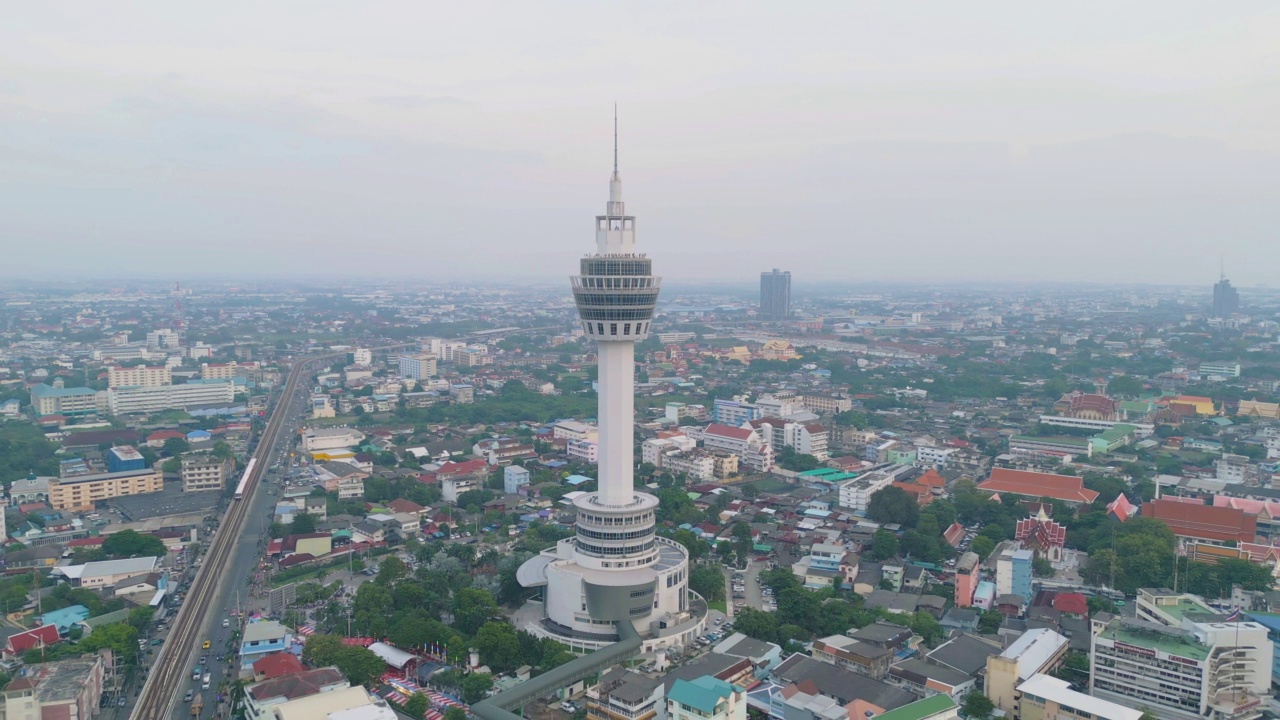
1198,670
653,450
514,477
934,457
695,465
144,399
445,350
734,413
203,473
473,356
1013,573
163,339
968,574
81,493
223,371
49,400
462,393
724,465
417,367
362,357
807,439
587,451
138,375
827,404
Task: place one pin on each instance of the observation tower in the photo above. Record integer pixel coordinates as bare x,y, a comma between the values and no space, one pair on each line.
616,567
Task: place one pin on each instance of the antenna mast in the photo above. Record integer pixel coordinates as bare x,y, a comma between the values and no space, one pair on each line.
615,138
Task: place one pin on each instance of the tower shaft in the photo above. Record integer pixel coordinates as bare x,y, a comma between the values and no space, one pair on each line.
616,410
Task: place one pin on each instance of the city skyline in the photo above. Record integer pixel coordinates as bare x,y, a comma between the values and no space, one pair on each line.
312,139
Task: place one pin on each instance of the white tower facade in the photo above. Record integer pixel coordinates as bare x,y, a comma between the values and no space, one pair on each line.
616,568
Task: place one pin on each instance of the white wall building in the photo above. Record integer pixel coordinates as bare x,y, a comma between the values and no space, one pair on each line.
139,375
362,356
314,439
417,367
934,457
587,451
136,400
856,494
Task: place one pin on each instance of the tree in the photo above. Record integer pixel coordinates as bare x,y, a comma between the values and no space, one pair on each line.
455,713
131,543
499,646
174,447
1041,566
472,608
391,572
884,545
172,466
1124,386
977,706
303,523
120,637
983,545
927,627
360,665
707,581
222,451
321,650
893,505
475,687
417,705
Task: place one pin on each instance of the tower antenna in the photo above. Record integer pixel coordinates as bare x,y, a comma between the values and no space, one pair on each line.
1222,258
615,138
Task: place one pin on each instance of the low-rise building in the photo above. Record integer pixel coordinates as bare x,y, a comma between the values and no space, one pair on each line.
1039,650
49,400
204,472
105,573
81,493
59,690
139,375
706,698
141,399
1044,697
265,695
624,694
261,639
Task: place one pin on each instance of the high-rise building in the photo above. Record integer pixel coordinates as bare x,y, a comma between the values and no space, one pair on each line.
1226,301
616,569
775,294
417,367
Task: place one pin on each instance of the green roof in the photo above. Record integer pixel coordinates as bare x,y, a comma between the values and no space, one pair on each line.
920,709
1170,642
818,472
121,615
1115,432
701,694
43,390
1136,406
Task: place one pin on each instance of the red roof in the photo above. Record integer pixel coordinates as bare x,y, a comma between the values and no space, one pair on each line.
402,505
462,468
1204,522
726,431
86,542
161,435
931,478
1121,509
1072,603
1046,533
954,534
36,637
1036,484
28,508
277,665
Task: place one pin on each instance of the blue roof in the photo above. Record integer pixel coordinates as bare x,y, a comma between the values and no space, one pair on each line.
577,479
702,694
1269,620
66,617
199,434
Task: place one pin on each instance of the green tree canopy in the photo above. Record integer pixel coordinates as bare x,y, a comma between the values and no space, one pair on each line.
894,505
131,543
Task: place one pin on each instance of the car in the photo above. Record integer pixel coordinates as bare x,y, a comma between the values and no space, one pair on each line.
719,620
568,707
207,644
120,702
190,694
226,622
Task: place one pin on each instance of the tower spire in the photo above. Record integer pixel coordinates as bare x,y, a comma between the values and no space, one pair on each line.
615,138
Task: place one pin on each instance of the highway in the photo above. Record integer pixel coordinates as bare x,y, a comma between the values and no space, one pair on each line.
223,567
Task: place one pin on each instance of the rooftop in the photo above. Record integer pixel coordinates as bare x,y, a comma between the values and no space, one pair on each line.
702,694
1147,635
920,709
1059,691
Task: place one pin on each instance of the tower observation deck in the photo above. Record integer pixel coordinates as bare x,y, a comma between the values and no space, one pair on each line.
615,567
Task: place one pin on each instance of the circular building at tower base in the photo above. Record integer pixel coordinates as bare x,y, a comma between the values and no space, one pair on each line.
581,603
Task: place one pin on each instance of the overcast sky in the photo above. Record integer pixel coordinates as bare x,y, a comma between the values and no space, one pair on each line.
1129,142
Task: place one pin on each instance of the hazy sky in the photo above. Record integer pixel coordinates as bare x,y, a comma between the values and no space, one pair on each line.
1129,142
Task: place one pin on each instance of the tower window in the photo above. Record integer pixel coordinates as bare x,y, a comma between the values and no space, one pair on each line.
613,328
626,328
599,328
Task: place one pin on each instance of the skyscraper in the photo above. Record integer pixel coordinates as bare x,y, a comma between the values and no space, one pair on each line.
1226,301
775,295
616,568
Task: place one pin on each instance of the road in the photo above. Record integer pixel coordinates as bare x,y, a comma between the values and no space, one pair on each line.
212,593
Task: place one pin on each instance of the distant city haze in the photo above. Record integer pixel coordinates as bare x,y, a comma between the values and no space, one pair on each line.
1002,141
